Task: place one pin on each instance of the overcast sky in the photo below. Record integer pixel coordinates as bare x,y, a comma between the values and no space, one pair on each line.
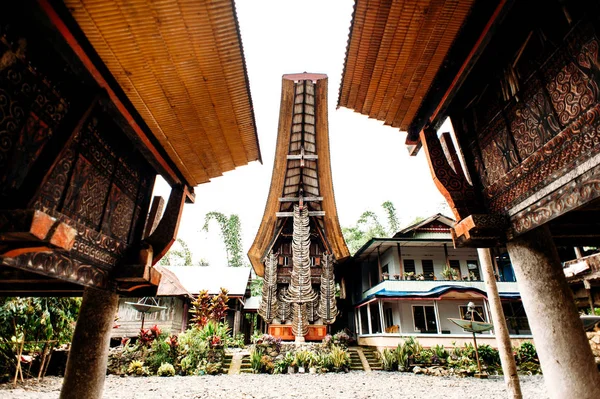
369,161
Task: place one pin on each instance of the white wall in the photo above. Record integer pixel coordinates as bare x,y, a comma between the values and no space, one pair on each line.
448,308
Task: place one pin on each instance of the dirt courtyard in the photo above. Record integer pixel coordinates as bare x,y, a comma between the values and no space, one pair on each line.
379,385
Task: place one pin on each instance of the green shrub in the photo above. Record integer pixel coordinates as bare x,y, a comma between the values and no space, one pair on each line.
440,352
339,358
160,352
488,355
120,357
402,357
266,364
389,360
527,353
193,349
302,358
280,366
255,360
209,368
324,362
424,356
166,370
137,368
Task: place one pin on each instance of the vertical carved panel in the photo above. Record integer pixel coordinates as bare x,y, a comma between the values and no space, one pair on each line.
497,150
30,111
533,122
571,91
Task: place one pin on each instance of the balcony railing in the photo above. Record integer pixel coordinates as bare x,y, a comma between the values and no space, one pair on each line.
428,285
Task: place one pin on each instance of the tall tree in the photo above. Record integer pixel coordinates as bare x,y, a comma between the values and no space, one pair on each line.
368,226
231,233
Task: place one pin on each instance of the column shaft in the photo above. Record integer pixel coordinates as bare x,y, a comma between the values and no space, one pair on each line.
565,354
86,366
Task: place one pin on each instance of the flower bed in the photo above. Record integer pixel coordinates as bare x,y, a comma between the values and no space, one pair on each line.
410,356
269,355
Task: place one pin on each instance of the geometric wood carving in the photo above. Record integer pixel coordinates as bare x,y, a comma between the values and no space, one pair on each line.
52,264
573,195
453,185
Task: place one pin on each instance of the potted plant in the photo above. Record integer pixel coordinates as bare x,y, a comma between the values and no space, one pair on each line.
450,273
396,277
385,276
409,275
301,361
290,360
420,277
313,360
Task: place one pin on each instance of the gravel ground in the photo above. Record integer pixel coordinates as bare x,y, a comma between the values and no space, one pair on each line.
328,386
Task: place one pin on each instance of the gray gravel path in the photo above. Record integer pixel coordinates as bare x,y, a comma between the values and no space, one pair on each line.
360,385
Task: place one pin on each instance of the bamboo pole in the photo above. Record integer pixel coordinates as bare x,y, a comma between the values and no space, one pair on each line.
19,369
507,359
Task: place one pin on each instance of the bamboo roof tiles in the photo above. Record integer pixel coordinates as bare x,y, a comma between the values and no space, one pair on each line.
181,64
395,50
302,165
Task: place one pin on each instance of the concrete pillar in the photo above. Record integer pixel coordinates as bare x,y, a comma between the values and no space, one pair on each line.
369,318
381,316
565,354
86,366
509,367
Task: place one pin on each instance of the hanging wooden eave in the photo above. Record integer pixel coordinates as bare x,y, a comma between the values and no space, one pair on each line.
395,51
180,64
268,229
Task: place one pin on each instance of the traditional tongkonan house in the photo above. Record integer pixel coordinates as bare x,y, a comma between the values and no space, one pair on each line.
520,82
299,240
97,99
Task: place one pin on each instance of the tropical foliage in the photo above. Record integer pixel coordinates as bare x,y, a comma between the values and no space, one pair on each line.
368,226
231,233
457,360
34,323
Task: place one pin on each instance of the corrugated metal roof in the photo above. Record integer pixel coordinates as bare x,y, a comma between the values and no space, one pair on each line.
197,278
252,304
181,64
394,51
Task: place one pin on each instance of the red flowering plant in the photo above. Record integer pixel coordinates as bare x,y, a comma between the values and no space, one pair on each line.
203,308
219,305
172,341
148,335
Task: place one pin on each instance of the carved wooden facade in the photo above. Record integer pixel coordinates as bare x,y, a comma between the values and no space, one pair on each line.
522,89
299,239
78,163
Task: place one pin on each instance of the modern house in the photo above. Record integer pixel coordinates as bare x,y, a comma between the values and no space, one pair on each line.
411,283
177,290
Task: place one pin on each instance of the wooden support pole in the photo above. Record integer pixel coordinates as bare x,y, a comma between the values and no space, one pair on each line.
400,263
379,272
507,360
